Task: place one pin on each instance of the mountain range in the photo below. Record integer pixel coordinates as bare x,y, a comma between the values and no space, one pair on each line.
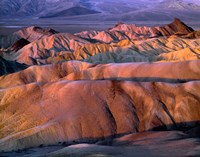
106,10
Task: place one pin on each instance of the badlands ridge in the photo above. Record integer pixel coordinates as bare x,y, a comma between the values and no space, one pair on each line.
56,88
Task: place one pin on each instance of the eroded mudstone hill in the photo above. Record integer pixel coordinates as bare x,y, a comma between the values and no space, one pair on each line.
43,105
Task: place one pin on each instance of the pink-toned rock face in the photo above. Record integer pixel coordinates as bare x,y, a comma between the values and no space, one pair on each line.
146,72
34,33
38,114
76,70
45,108
175,27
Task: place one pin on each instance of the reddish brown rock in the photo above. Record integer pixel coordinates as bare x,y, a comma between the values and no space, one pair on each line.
37,113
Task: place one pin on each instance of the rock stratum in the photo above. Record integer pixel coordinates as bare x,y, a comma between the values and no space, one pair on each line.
63,92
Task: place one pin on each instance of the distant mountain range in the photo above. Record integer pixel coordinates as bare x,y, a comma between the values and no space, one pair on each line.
33,7
130,88
179,5
73,11
108,10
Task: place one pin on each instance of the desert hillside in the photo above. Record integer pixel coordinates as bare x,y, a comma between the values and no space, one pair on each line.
118,90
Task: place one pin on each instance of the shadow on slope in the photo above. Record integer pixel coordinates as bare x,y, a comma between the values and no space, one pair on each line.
150,79
8,67
180,139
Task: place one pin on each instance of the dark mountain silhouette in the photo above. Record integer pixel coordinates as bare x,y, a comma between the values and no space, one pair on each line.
10,66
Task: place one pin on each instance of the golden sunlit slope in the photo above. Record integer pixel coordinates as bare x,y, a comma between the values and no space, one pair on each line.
63,111
150,50
40,105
